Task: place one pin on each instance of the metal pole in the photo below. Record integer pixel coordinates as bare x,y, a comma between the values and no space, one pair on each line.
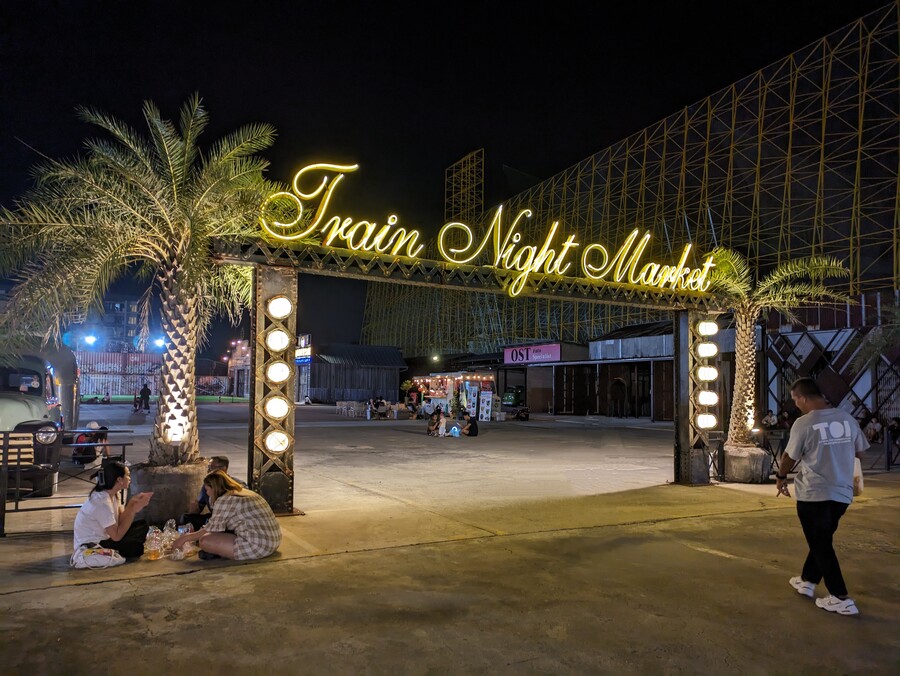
681,346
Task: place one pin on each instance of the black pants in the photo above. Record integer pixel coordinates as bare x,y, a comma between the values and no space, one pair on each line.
819,521
132,543
196,520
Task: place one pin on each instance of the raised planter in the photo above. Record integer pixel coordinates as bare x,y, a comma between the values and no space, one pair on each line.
747,464
175,489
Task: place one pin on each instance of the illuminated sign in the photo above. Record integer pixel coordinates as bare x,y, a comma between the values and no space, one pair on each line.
305,210
303,351
555,259
359,235
531,354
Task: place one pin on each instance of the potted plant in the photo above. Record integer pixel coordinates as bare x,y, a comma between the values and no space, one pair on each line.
150,205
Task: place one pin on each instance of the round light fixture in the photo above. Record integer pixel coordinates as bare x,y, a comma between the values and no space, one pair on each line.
279,307
278,372
277,407
707,374
707,328
277,442
706,350
707,398
706,421
277,340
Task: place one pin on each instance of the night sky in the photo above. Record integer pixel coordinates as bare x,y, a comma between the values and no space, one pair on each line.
402,89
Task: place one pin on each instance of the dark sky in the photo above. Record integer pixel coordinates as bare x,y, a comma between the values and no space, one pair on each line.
403,89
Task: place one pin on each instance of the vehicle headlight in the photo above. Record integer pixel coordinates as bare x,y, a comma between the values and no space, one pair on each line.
46,435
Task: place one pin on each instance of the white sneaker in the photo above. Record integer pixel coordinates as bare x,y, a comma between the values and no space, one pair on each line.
803,587
835,605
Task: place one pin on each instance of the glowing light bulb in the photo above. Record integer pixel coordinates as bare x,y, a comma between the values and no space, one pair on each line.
707,398
707,328
278,372
707,374
277,442
280,307
277,340
706,421
277,407
706,350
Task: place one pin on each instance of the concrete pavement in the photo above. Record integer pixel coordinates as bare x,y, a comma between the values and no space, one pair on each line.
520,552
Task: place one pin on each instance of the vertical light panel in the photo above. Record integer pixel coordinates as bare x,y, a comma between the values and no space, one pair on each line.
273,434
696,395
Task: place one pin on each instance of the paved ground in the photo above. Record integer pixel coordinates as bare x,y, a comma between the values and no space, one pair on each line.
551,547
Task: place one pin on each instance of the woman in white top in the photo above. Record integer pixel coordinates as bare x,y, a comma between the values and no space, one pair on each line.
103,520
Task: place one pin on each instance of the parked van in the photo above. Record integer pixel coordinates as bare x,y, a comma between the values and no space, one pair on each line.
30,403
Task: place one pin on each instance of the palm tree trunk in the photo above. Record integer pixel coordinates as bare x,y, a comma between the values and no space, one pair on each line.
743,405
175,440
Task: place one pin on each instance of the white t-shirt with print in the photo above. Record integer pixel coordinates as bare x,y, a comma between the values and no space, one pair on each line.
96,515
825,442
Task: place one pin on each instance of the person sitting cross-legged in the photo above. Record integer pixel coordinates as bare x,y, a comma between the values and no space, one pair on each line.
242,526
103,521
470,427
202,509
432,425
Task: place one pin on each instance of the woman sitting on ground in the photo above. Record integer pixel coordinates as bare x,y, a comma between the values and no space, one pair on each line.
102,520
242,525
432,425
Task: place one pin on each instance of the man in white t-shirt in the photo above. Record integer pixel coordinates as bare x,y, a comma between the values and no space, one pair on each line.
824,443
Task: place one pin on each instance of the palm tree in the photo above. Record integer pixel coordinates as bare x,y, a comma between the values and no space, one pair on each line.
788,286
147,205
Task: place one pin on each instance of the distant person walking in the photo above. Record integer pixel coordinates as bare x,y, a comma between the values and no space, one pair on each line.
824,442
145,397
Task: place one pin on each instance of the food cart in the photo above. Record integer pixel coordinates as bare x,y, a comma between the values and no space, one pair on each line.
476,390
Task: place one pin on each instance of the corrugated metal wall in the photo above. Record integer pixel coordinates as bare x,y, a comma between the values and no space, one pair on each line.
333,382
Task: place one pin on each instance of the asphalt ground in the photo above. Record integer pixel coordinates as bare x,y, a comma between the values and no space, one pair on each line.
555,546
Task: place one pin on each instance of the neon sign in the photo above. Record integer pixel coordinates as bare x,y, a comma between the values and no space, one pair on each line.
457,243
359,235
554,260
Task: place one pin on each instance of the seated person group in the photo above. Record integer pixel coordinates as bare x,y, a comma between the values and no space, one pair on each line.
240,524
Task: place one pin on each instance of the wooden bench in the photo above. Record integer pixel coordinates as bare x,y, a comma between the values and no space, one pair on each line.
21,466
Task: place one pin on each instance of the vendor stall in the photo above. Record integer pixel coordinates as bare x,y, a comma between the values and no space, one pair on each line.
462,390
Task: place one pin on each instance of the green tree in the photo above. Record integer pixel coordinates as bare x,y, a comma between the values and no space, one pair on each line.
151,205
784,289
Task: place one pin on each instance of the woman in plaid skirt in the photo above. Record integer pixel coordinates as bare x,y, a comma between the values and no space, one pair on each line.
242,525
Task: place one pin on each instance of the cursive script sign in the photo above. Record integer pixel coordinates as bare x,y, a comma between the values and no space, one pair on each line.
501,246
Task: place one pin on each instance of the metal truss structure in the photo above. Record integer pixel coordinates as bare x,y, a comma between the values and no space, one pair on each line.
443,277
800,158
464,189
272,432
829,357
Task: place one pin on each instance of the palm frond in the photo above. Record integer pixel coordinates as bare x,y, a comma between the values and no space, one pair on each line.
120,131
814,267
248,140
731,276
194,119
169,148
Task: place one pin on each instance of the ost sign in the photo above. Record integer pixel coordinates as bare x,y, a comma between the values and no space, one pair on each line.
502,243
531,354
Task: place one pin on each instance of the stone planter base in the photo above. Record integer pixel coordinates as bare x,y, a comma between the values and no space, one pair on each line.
747,464
175,489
